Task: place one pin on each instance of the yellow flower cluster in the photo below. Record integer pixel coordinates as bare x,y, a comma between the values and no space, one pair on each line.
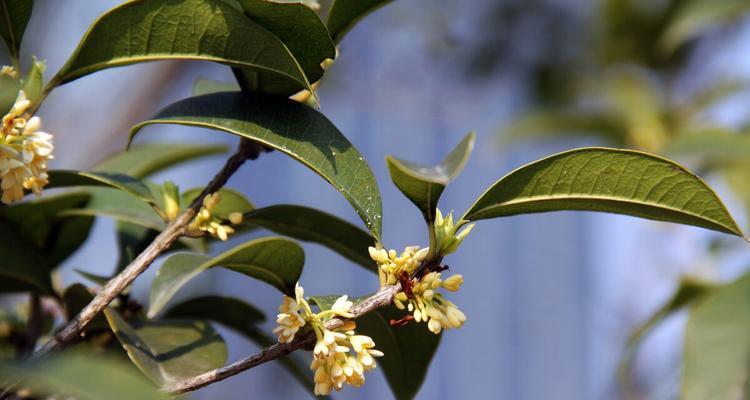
339,356
391,264
427,305
24,152
205,222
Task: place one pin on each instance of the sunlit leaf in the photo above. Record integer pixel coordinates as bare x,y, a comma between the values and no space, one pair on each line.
84,377
144,160
717,344
607,180
293,129
276,261
424,185
344,14
172,351
210,30
14,15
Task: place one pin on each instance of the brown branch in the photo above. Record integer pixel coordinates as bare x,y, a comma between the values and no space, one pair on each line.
246,150
381,298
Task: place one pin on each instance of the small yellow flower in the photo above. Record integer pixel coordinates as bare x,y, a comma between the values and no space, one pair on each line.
428,305
204,221
390,264
7,70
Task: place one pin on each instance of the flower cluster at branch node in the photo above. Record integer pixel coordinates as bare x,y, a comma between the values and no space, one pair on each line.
340,356
24,152
427,305
204,221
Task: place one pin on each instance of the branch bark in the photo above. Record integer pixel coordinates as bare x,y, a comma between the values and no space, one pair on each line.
247,150
381,298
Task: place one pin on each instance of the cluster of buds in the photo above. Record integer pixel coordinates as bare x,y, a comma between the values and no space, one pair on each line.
445,233
391,265
24,151
427,305
340,356
204,221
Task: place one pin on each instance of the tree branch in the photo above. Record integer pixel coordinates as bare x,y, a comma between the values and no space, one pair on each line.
381,298
247,150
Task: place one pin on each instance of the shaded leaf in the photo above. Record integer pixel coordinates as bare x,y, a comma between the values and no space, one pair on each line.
242,318
303,33
276,261
210,30
14,15
717,344
316,226
128,184
23,267
292,128
84,377
168,352
344,14
607,180
144,160
121,206
74,299
424,185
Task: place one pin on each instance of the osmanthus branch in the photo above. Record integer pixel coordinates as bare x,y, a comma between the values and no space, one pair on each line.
382,297
247,150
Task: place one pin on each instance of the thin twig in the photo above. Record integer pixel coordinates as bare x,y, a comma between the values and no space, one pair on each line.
381,298
247,150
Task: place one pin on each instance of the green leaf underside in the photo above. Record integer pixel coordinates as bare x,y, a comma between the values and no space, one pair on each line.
303,33
424,185
82,376
142,161
276,261
230,201
607,180
133,186
14,16
242,318
717,344
172,351
203,86
309,224
408,349
211,30
344,14
292,128
121,206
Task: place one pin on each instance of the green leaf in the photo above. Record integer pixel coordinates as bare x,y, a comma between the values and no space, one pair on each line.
210,30
9,88
203,86
408,349
424,185
23,267
344,14
551,123
230,201
607,180
143,161
121,206
276,261
697,17
303,33
81,376
133,186
74,299
33,82
689,292
316,226
292,128
242,318
717,344
168,352
14,15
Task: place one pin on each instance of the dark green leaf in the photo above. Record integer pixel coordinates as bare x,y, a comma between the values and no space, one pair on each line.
316,226
717,344
276,261
168,352
142,161
14,15
84,377
211,30
292,128
344,14
242,318
75,298
607,180
23,267
424,185
303,33
33,82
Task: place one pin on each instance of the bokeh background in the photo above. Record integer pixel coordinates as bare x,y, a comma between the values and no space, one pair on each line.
550,298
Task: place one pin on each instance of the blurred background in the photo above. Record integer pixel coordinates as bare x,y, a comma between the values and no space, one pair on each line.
550,298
